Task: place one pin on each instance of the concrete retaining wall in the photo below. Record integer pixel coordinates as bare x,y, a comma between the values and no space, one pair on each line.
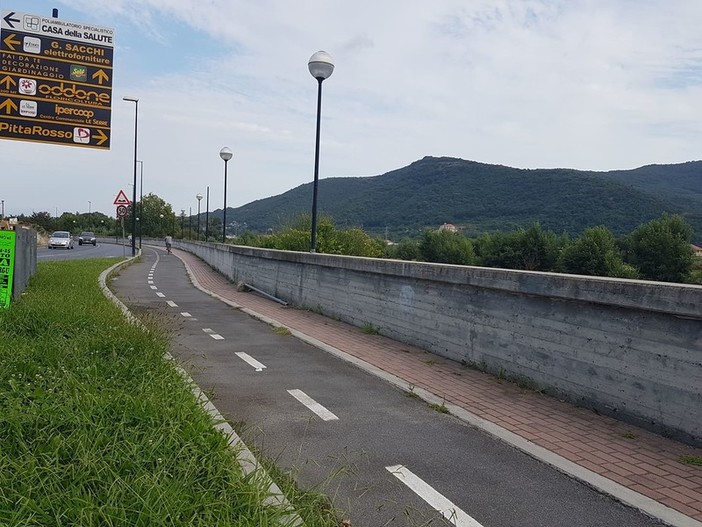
627,348
25,260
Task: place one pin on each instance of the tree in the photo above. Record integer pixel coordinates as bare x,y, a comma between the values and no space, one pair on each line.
155,216
661,249
595,253
405,250
532,249
446,247
43,220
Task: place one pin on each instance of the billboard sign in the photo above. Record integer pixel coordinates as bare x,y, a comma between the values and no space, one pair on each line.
7,266
55,80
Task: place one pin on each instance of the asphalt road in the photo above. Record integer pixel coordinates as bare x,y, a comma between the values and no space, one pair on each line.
101,250
383,457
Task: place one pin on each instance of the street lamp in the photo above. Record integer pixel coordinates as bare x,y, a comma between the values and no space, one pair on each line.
226,154
136,119
182,224
321,67
199,197
207,215
141,199
90,210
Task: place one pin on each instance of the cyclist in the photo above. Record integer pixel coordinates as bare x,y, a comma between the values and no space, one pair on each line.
169,241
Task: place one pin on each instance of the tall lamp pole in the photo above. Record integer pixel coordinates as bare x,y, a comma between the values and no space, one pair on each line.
134,187
182,224
199,197
207,215
321,67
141,199
90,209
226,154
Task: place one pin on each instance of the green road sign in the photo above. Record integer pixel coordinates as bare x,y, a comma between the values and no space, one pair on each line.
7,266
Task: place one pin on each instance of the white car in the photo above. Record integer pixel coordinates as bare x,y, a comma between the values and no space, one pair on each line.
60,240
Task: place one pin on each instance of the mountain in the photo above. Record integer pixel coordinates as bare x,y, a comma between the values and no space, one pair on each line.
478,197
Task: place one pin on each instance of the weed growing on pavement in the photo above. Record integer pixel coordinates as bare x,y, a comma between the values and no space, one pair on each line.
431,362
691,460
629,435
441,408
410,392
97,429
281,330
370,329
313,507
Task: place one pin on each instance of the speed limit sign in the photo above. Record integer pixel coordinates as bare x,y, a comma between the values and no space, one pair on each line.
121,211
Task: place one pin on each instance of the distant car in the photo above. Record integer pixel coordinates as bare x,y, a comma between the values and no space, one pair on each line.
61,239
87,237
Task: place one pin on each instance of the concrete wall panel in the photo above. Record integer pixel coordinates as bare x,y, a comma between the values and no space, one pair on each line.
629,348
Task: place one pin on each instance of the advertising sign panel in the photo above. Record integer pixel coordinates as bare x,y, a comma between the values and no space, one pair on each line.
7,266
55,80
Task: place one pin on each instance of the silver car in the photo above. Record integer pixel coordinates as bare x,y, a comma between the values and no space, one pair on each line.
61,240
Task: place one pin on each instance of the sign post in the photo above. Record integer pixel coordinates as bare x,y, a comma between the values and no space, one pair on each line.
7,266
55,81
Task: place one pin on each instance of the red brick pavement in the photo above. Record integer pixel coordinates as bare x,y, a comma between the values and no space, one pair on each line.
636,459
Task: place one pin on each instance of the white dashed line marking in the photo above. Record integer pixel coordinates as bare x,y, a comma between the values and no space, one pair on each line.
186,314
171,303
212,334
153,287
150,282
160,295
425,491
313,405
250,360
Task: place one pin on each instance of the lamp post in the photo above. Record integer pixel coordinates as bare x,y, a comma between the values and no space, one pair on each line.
90,210
190,224
321,67
136,119
141,199
182,224
226,154
199,197
207,215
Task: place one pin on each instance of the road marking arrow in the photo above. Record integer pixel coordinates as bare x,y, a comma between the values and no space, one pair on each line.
9,105
9,82
101,76
102,137
9,20
11,43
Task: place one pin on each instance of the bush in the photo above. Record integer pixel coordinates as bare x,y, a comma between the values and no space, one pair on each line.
446,247
661,249
595,254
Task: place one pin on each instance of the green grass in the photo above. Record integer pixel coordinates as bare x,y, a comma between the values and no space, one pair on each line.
96,428
691,460
370,329
283,331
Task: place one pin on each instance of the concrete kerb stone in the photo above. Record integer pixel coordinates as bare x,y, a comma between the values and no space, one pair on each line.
619,492
245,457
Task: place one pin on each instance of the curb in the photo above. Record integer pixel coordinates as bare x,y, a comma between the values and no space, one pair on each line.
247,460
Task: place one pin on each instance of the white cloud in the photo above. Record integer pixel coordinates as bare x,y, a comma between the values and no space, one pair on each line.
529,83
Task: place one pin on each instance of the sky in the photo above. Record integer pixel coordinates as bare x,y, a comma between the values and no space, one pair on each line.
583,84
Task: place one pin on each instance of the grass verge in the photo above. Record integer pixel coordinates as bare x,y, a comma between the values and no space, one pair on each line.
97,429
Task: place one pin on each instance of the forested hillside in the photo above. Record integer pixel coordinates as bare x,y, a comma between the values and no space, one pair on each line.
478,197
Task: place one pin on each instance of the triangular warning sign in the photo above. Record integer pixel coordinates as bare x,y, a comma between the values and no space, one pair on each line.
122,199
